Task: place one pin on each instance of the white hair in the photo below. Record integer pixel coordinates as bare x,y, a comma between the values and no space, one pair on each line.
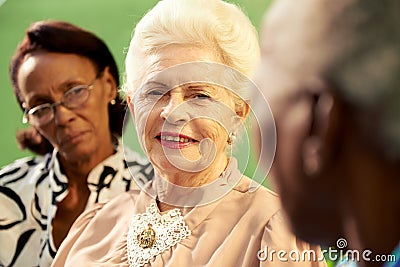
212,24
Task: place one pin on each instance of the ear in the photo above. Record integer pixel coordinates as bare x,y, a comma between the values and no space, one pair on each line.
320,145
243,111
110,84
131,106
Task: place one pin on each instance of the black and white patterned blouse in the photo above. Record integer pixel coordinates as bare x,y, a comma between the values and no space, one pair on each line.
30,189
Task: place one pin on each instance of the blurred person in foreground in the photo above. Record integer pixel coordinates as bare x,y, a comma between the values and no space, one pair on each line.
66,80
330,71
183,73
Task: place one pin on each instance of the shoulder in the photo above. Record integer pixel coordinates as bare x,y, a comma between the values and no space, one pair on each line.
124,199
265,205
104,215
116,207
259,197
246,205
26,169
100,229
139,166
28,162
133,156
278,236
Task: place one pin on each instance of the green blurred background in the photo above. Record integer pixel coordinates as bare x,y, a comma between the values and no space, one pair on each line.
113,21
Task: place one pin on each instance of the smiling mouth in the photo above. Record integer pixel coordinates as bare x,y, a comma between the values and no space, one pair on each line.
175,141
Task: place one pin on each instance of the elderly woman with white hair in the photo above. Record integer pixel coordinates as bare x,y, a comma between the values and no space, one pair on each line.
183,74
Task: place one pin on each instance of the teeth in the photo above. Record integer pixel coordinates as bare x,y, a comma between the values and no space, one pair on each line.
174,139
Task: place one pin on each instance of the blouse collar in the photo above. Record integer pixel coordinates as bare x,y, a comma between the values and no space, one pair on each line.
59,181
181,196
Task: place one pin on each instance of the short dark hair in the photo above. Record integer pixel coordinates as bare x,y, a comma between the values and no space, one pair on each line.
64,37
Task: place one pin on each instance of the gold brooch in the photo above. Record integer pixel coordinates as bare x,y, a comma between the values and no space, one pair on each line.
152,233
147,237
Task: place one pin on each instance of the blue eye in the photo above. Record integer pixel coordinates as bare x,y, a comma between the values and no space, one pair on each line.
155,92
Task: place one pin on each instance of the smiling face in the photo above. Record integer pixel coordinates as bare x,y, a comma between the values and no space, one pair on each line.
183,125
80,134
181,119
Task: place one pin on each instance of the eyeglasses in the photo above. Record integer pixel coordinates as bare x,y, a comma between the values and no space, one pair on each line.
73,98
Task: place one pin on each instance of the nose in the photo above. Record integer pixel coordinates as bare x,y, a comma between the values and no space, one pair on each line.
62,115
175,112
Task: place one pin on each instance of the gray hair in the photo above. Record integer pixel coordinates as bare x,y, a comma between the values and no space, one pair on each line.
354,45
367,72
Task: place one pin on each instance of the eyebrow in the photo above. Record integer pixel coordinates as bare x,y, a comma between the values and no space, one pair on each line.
155,83
200,85
211,88
38,99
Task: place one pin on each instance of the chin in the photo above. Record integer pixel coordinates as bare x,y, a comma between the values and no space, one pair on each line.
79,153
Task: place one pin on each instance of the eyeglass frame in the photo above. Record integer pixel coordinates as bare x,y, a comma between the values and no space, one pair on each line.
27,112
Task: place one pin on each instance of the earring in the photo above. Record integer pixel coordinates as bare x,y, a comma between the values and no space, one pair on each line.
112,102
231,138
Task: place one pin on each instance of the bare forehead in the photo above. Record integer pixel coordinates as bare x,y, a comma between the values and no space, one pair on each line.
176,54
48,62
45,72
170,56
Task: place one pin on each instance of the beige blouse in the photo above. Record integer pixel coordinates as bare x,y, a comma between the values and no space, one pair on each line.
243,228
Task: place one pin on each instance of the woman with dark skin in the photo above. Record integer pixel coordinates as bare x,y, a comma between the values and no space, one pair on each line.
66,80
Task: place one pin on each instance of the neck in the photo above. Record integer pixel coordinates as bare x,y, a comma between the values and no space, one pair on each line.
78,170
165,207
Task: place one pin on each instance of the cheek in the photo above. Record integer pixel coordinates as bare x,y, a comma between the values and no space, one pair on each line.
49,133
95,112
292,128
213,111
146,119
213,130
